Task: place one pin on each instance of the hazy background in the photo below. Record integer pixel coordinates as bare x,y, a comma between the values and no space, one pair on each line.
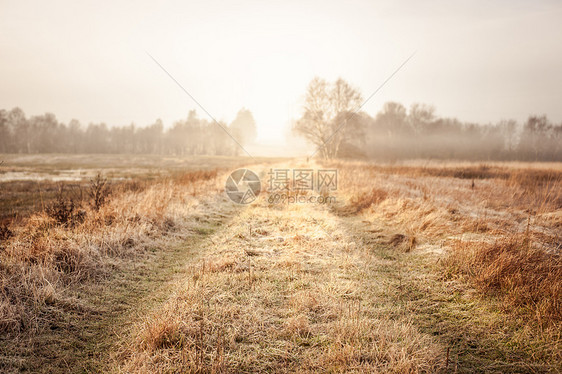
475,60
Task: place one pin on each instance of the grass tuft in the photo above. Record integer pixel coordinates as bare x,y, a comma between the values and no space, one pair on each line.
523,277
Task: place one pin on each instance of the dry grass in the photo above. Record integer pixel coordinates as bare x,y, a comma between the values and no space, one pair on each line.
354,287
51,250
283,296
441,198
416,268
364,200
434,204
521,275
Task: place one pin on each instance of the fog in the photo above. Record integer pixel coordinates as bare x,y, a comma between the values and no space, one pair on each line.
479,62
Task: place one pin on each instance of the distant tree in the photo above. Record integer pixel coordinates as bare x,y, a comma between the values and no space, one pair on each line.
327,120
421,117
534,136
176,142
221,143
74,136
45,134
391,120
244,127
128,138
21,130
197,138
97,139
556,143
149,139
509,131
5,132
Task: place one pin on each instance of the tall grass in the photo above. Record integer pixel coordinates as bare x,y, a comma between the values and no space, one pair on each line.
522,276
51,249
510,217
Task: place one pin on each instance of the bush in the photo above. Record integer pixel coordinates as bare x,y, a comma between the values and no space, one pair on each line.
98,192
64,211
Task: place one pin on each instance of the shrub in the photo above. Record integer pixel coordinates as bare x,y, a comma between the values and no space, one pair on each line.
98,192
64,211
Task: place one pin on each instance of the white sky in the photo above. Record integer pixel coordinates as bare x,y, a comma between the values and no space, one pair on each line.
476,60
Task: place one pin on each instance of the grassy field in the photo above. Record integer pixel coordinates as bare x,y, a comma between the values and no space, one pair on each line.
415,267
29,183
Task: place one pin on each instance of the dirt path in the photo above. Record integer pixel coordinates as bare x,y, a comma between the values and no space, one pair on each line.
286,288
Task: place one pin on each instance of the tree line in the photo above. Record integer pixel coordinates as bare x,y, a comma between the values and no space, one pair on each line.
190,136
419,133
331,122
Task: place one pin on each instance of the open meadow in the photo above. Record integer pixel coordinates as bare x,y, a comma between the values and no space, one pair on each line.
243,186
134,264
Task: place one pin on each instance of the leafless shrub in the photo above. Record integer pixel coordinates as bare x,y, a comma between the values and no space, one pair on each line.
64,210
98,192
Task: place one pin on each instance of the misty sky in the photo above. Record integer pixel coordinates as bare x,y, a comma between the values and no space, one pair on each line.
476,60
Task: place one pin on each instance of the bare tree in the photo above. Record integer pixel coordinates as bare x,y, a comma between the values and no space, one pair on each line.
328,119
421,116
509,131
244,127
